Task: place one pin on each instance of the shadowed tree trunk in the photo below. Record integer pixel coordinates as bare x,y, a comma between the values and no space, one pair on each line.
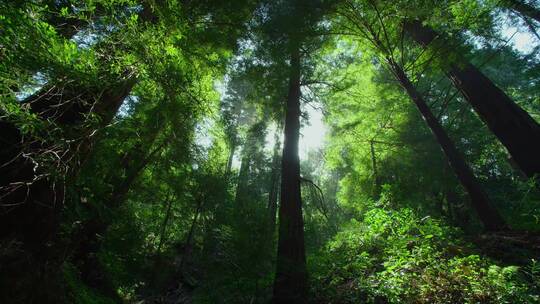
486,212
162,236
133,170
452,201
30,198
512,125
191,232
243,179
68,105
290,284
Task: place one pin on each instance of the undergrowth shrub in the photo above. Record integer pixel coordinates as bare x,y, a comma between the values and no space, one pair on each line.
78,292
394,256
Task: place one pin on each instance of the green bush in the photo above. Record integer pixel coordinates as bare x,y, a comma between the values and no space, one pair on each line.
397,257
78,292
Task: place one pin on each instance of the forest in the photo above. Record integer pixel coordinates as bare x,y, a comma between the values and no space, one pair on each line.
269,151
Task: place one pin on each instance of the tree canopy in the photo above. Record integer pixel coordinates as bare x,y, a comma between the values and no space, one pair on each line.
153,151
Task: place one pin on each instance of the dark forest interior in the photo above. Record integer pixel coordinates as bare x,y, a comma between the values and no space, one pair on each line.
269,151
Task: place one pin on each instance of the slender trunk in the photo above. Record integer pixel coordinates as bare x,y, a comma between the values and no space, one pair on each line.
164,225
118,195
241,186
290,283
189,237
525,9
274,184
451,199
479,199
376,180
438,198
249,149
512,125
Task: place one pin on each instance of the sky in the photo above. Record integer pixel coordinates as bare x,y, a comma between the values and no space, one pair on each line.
313,133
520,37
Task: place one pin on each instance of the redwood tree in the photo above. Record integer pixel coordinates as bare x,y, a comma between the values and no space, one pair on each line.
290,284
512,125
489,216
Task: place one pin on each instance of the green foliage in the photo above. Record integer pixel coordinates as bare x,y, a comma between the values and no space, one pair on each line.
163,170
398,256
78,292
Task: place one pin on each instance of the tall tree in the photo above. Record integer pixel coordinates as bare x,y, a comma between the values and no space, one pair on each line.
290,284
252,146
489,216
512,125
374,28
288,35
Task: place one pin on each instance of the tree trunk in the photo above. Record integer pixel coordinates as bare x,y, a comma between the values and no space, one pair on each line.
452,201
249,150
164,225
189,237
479,199
525,9
241,195
30,199
118,195
376,179
290,283
23,191
274,184
85,257
512,125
